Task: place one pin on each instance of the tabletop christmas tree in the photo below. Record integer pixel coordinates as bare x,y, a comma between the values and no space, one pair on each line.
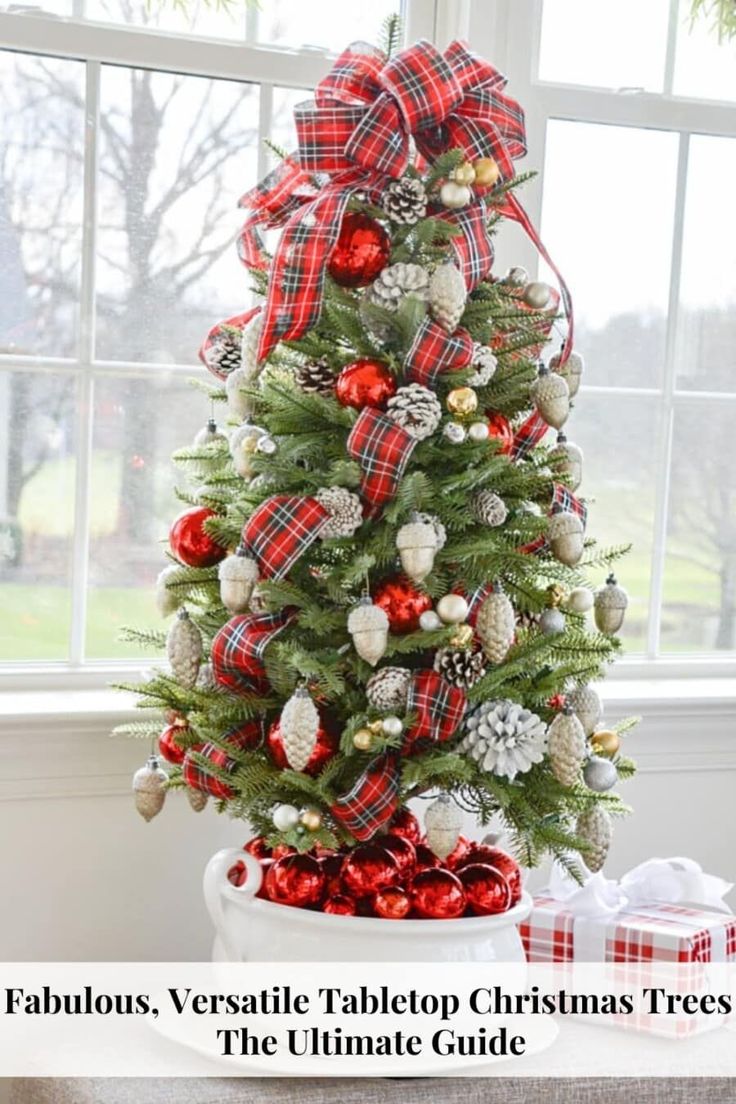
380,584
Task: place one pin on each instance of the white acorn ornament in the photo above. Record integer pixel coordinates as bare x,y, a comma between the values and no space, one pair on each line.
567,458
566,747
571,370
586,705
238,575
565,536
496,626
184,649
368,626
416,542
452,609
610,605
240,404
299,725
197,800
167,601
579,600
148,788
551,622
244,443
595,828
551,397
600,774
537,295
454,195
442,822
447,296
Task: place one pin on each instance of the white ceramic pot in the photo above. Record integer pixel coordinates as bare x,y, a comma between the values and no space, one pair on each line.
251,929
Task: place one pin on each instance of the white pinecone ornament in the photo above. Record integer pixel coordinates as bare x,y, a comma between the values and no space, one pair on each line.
488,508
571,371
148,789
238,575
299,725
316,377
504,738
609,606
249,346
462,667
368,626
551,397
594,826
167,601
496,625
567,459
565,536
416,542
484,363
442,823
184,649
388,689
405,201
586,705
223,355
447,296
395,282
345,510
416,409
566,747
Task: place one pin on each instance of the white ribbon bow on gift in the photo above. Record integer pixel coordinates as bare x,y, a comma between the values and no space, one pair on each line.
676,881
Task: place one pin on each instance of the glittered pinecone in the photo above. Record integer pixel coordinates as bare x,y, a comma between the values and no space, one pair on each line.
566,747
388,689
405,201
484,364
416,409
316,377
594,826
488,508
184,649
224,353
345,510
496,625
504,738
397,281
460,666
447,296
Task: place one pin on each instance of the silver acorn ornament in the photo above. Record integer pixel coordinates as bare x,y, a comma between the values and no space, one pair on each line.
149,788
566,747
442,822
196,799
551,622
184,649
496,625
167,601
565,536
368,626
447,296
416,542
299,725
586,705
595,828
567,459
238,575
610,605
537,295
551,397
600,774
571,371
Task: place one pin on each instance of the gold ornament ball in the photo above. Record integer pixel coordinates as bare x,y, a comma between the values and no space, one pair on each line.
463,636
464,174
462,400
556,595
487,172
311,819
375,727
363,739
606,741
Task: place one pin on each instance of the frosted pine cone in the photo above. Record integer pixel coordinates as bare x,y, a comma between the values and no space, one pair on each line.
566,746
485,364
388,689
527,620
316,377
495,625
184,649
488,508
596,829
345,509
460,666
447,296
405,201
299,725
416,409
397,281
504,738
224,354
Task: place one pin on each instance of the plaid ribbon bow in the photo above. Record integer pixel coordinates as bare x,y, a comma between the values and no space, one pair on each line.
239,647
373,799
434,351
203,769
281,530
562,499
439,708
382,448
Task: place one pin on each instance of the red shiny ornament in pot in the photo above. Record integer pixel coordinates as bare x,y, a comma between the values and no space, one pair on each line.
437,895
458,852
403,850
365,382
296,880
281,850
189,542
367,869
324,748
402,603
486,889
405,824
499,860
258,848
362,249
501,431
391,903
426,858
169,746
331,866
339,905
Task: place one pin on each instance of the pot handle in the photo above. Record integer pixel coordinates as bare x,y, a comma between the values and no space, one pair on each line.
217,886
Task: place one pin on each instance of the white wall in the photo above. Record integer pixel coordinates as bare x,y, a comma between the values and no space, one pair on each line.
83,877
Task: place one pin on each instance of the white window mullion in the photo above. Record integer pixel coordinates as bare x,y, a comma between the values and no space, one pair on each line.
265,115
669,62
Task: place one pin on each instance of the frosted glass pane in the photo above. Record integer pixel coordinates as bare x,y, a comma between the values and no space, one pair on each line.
196,18
331,25
704,67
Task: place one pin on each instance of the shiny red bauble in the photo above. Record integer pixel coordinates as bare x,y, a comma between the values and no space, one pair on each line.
499,860
402,603
403,851
367,869
281,850
426,858
458,852
331,866
295,880
258,848
437,895
169,745
391,903
324,748
404,823
362,249
500,431
365,382
189,542
339,905
486,889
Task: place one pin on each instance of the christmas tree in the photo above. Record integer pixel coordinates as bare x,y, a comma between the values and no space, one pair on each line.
381,580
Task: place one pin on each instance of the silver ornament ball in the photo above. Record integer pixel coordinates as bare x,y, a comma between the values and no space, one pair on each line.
430,621
285,817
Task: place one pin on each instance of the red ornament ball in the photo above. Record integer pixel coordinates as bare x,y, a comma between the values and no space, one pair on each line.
367,869
236,875
362,249
403,851
499,860
365,382
169,746
258,848
324,748
437,895
402,603
426,858
405,824
331,867
189,542
458,852
486,889
281,850
295,880
391,903
501,431
339,905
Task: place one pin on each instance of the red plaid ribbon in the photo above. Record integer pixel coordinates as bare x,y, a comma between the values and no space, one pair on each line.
562,499
239,646
439,707
281,530
473,246
530,433
219,332
476,600
382,448
434,351
197,767
372,801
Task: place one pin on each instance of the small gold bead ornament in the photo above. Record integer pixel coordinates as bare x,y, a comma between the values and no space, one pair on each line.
311,820
462,401
605,741
464,174
556,595
363,739
487,172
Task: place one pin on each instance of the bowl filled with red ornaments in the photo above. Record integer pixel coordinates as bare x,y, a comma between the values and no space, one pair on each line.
392,896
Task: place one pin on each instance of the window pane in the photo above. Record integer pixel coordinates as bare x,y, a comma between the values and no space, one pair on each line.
699,607
335,26
196,18
704,67
176,155
610,232
620,478
604,45
706,345
37,472
42,169
283,131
